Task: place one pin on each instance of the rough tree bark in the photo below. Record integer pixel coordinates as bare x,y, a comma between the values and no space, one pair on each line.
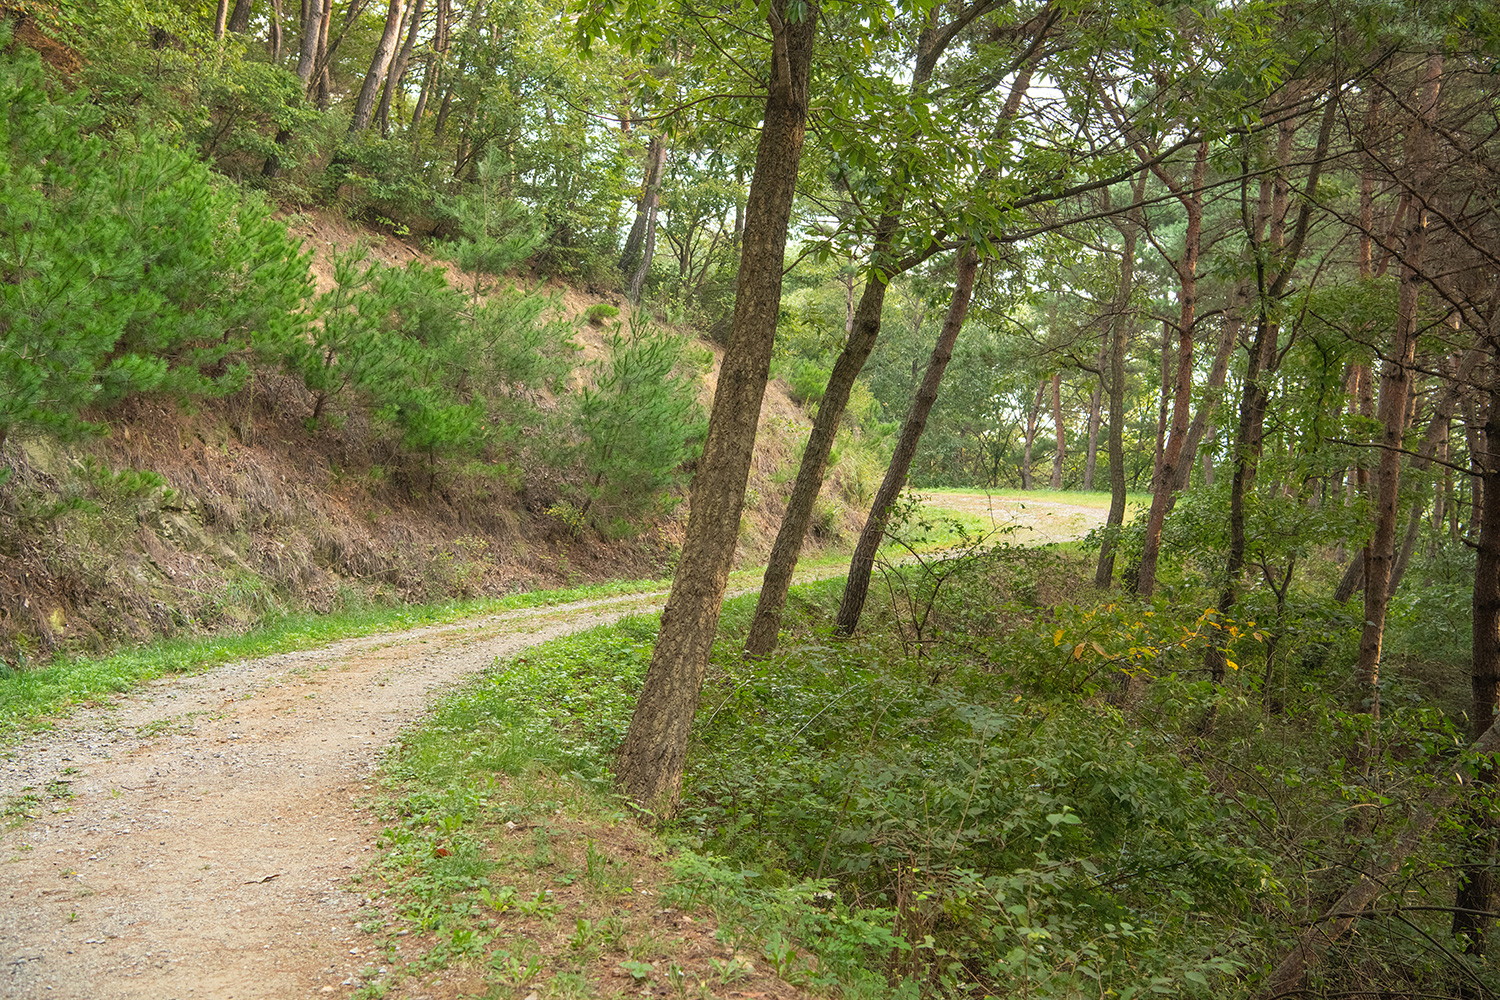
1060,431
650,764
788,545
1395,382
380,62
1187,275
864,328
394,78
857,587
307,54
1119,339
239,18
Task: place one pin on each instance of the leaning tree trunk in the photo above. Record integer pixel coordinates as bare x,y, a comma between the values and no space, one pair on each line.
650,764
1395,383
645,208
864,329
1060,432
380,62
1229,338
1284,981
307,55
1432,439
1187,272
1119,337
1476,886
1263,355
857,587
239,18
394,78
436,59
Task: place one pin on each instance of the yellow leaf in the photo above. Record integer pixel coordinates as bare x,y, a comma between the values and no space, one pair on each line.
1232,665
1057,638
1078,651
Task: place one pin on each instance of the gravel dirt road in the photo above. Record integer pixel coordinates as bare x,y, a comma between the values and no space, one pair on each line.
200,836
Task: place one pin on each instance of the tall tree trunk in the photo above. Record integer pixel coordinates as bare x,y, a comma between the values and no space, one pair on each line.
1395,382
863,330
321,72
1096,402
1436,433
650,764
433,65
1187,273
1060,431
307,55
394,78
1229,339
1033,425
799,506
1475,420
645,208
1249,440
1476,886
857,586
648,250
273,37
221,19
385,49
1119,337
239,18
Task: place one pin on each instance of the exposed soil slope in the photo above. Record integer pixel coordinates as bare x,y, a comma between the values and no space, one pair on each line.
261,510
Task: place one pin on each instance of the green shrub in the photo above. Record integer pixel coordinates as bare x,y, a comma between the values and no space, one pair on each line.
597,314
128,267
806,381
640,421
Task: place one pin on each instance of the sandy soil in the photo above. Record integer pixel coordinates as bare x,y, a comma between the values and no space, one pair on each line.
197,838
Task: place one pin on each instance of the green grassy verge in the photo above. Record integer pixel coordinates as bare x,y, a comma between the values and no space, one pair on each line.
29,697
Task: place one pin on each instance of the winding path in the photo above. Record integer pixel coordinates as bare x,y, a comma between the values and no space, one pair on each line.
202,836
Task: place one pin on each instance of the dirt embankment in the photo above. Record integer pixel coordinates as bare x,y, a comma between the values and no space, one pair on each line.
258,510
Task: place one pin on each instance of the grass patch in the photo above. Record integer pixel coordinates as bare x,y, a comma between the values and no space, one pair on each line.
511,866
30,696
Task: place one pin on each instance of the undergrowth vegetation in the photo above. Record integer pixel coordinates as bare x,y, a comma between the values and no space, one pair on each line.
1047,799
